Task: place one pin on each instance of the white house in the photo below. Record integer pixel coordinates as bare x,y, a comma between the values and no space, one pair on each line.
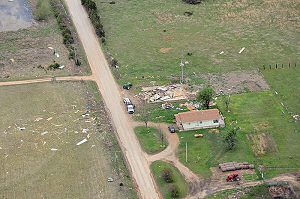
210,118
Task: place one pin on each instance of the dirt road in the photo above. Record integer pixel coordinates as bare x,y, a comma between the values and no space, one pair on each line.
135,157
47,79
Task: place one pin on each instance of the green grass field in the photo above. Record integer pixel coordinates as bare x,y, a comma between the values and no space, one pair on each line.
258,112
150,139
287,83
34,164
137,31
157,168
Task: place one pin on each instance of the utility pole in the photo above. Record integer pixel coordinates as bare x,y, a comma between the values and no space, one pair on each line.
181,65
117,163
186,152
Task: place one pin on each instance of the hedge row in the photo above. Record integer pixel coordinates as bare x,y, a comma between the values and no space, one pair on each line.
91,8
68,39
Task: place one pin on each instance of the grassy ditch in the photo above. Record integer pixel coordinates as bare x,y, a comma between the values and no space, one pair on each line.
150,139
158,168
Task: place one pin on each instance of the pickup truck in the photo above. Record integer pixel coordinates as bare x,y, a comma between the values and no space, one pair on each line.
129,105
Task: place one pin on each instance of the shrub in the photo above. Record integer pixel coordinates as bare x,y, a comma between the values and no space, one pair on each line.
192,1
42,10
114,62
229,138
167,175
174,191
53,66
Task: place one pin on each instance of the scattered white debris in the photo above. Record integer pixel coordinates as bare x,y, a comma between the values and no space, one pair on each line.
84,130
164,98
110,179
54,149
56,54
242,50
221,53
81,142
44,133
44,142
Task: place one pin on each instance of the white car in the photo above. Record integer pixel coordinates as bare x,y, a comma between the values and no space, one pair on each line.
130,108
127,101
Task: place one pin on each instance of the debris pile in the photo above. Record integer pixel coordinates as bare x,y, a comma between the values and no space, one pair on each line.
167,106
167,93
280,191
232,166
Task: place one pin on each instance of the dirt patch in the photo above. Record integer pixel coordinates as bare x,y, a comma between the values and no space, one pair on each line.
233,82
165,50
261,126
280,191
262,143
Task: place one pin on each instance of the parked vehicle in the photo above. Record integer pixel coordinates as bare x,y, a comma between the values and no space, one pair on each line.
130,108
127,86
171,129
129,105
127,101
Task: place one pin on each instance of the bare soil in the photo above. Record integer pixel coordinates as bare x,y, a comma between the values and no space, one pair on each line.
234,82
262,143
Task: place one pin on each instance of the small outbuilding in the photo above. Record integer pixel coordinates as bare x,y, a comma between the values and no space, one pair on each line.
196,119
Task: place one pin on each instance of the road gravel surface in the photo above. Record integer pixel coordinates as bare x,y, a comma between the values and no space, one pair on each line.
134,155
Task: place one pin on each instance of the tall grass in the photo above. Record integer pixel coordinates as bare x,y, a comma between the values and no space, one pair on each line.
42,10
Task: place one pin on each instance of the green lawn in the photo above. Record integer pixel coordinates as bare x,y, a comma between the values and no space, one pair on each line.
150,139
157,114
36,164
287,83
258,112
137,30
157,168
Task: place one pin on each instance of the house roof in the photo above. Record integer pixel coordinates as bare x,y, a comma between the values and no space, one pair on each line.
194,116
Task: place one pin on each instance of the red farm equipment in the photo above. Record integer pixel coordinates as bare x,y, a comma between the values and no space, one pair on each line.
234,177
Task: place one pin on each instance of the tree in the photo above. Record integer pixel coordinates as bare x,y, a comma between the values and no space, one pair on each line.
226,99
229,138
174,190
205,96
167,175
